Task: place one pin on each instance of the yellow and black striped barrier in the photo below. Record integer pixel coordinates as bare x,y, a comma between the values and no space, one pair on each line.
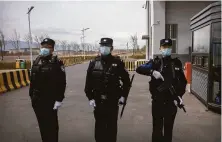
132,65
14,80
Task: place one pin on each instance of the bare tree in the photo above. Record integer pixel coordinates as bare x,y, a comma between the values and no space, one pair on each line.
75,46
133,40
57,45
68,49
15,41
39,39
2,44
64,45
27,39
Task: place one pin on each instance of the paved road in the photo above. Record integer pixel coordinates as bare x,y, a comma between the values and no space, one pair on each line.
18,122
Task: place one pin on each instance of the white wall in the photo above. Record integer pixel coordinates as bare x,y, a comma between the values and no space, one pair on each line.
158,30
180,12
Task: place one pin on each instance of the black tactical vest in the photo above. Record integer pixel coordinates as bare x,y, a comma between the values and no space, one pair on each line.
170,70
105,76
42,72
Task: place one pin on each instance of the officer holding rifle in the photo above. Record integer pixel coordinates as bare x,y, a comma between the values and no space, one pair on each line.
167,86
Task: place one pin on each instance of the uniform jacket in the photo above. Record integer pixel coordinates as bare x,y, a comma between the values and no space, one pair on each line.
106,73
171,70
48,79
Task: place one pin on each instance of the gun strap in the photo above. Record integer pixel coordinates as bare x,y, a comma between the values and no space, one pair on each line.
161,64
173,70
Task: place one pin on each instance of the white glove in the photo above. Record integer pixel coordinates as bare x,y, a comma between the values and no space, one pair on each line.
180,103
92,103
121,101
57,105
158,75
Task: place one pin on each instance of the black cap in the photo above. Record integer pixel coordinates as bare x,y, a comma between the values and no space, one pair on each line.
48,41
165,42
106,41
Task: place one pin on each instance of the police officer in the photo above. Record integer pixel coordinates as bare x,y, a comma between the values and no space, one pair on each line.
47,88
104,90
169,71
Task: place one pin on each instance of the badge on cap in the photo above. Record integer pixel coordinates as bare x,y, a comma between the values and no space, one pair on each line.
104,40
166,40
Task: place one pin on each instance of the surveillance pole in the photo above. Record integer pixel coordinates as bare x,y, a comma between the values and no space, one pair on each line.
30,34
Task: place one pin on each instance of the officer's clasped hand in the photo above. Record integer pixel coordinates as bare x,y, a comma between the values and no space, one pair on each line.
121,101
180,101
157,75
92,103
57,105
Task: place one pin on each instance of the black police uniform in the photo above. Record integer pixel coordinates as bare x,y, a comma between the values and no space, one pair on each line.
163,108
103,85
48,83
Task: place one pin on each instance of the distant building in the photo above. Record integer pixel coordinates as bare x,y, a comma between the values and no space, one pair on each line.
23,50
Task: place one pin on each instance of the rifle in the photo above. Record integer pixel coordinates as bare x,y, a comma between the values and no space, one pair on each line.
168,85
124,105
173,92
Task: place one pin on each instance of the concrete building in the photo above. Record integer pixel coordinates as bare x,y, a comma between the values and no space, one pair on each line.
171,19
24,50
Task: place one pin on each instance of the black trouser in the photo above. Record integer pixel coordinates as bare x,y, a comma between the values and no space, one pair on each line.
163,119
47,120
106,123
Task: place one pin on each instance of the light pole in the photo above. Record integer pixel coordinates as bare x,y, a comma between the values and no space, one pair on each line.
30,34
83,36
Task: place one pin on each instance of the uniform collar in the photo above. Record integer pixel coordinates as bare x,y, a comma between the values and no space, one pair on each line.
49,57
167,57
106,58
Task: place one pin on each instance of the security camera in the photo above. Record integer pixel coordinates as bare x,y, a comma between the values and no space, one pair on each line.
143,6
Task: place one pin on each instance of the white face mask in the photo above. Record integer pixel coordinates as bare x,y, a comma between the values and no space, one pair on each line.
166,52
105,50
44,51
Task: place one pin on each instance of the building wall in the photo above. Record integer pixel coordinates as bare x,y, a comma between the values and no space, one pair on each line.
157,24
174,12
180,12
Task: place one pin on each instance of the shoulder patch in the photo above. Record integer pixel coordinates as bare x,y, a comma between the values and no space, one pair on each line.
117,57
177,62
60,62
63,68
96,58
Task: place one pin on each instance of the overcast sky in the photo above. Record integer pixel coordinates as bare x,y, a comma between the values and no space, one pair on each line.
64,20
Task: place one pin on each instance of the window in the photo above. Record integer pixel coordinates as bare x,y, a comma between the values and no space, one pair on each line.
216,40
216,29
216,66
201,40
200,61
171,32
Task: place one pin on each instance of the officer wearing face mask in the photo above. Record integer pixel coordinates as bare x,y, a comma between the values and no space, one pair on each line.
168,72
104,90
47,88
